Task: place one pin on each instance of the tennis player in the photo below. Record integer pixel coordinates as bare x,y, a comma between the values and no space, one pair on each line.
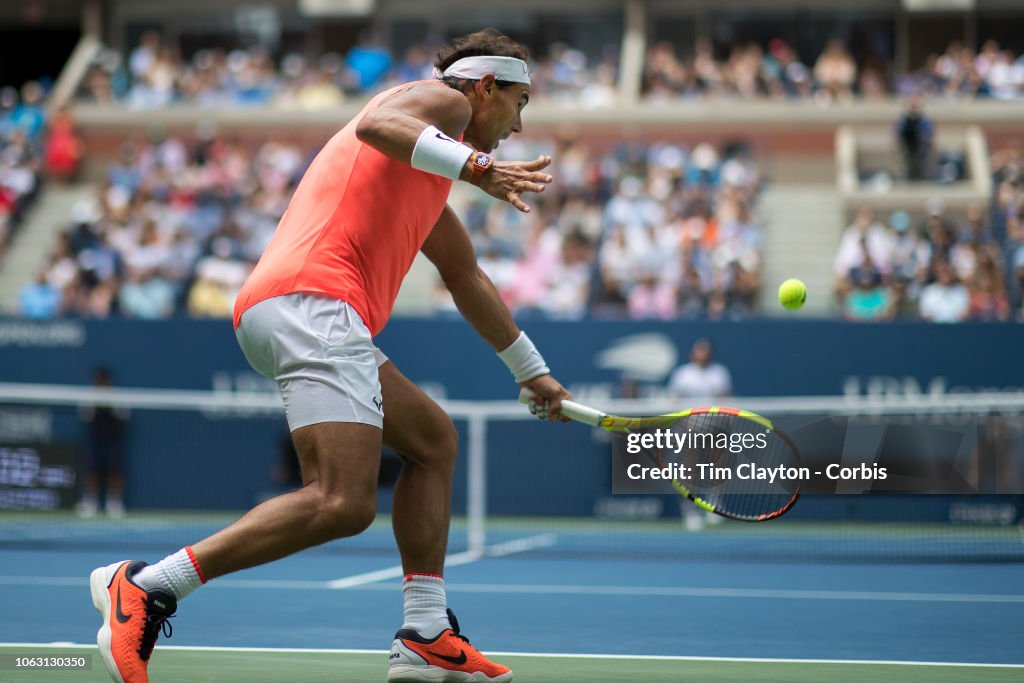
374,196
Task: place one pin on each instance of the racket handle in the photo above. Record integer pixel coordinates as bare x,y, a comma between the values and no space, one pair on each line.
571,409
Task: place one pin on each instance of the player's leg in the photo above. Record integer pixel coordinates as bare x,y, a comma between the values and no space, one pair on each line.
428,647
322,357
339,462
425,439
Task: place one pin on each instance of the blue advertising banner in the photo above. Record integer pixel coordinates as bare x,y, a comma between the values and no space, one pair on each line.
206,461
595,358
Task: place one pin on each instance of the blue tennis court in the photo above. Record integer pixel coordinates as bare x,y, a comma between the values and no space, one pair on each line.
532,599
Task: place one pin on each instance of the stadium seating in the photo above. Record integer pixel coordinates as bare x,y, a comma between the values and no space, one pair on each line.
650,225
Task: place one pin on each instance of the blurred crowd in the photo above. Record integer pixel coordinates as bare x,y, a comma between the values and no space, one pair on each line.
946,267
751,70
655,230
660,230
650,231
154,73
174,228
776,70
33,146
1008,217
962,72
22,122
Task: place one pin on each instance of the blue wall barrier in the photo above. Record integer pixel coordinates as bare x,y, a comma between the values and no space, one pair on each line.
182,460
767,358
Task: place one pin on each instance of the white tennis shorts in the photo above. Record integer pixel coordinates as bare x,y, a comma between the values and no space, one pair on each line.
320,353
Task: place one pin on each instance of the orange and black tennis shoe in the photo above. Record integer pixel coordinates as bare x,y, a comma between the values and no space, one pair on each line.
132,620
448,658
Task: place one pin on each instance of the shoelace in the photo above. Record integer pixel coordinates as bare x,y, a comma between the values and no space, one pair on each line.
154,625
455,627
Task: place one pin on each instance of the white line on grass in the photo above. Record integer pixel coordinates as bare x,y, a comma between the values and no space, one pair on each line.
558,655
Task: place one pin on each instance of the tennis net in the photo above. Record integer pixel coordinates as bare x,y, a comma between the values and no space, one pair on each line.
195,461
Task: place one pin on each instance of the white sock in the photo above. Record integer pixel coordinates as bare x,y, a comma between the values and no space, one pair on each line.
425,604
178,574
115,507
88,506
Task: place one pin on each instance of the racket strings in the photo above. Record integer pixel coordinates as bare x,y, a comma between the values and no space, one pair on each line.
738,466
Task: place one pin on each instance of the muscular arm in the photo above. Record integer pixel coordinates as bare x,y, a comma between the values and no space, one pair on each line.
396,124
449,248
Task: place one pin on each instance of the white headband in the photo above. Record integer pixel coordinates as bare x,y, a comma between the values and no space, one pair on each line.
503,68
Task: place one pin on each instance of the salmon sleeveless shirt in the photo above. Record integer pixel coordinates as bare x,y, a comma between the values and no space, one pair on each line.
352,228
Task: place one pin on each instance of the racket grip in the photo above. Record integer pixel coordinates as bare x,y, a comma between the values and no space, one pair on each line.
571,409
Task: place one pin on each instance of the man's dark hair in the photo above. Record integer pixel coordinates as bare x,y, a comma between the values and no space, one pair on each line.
489,42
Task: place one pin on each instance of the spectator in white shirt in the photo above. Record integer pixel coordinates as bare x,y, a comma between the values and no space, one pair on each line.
866,239
945,300
700,380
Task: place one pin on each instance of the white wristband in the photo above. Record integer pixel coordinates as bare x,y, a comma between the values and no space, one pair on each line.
523,359
437,153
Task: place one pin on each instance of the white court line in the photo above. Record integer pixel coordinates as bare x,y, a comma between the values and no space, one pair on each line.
271,584
501,550
770,593
395,572
556,655
366,582
522,545
44,580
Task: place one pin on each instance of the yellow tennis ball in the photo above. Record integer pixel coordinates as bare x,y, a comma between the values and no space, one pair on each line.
792,294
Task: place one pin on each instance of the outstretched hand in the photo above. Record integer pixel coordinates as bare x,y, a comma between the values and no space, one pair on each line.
508,180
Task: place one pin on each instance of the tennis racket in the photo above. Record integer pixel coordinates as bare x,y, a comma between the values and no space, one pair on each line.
740,465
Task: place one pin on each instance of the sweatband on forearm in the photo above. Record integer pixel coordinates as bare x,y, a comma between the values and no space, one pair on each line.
437,153
523,359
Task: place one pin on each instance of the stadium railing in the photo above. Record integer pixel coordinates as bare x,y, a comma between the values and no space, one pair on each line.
858,147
